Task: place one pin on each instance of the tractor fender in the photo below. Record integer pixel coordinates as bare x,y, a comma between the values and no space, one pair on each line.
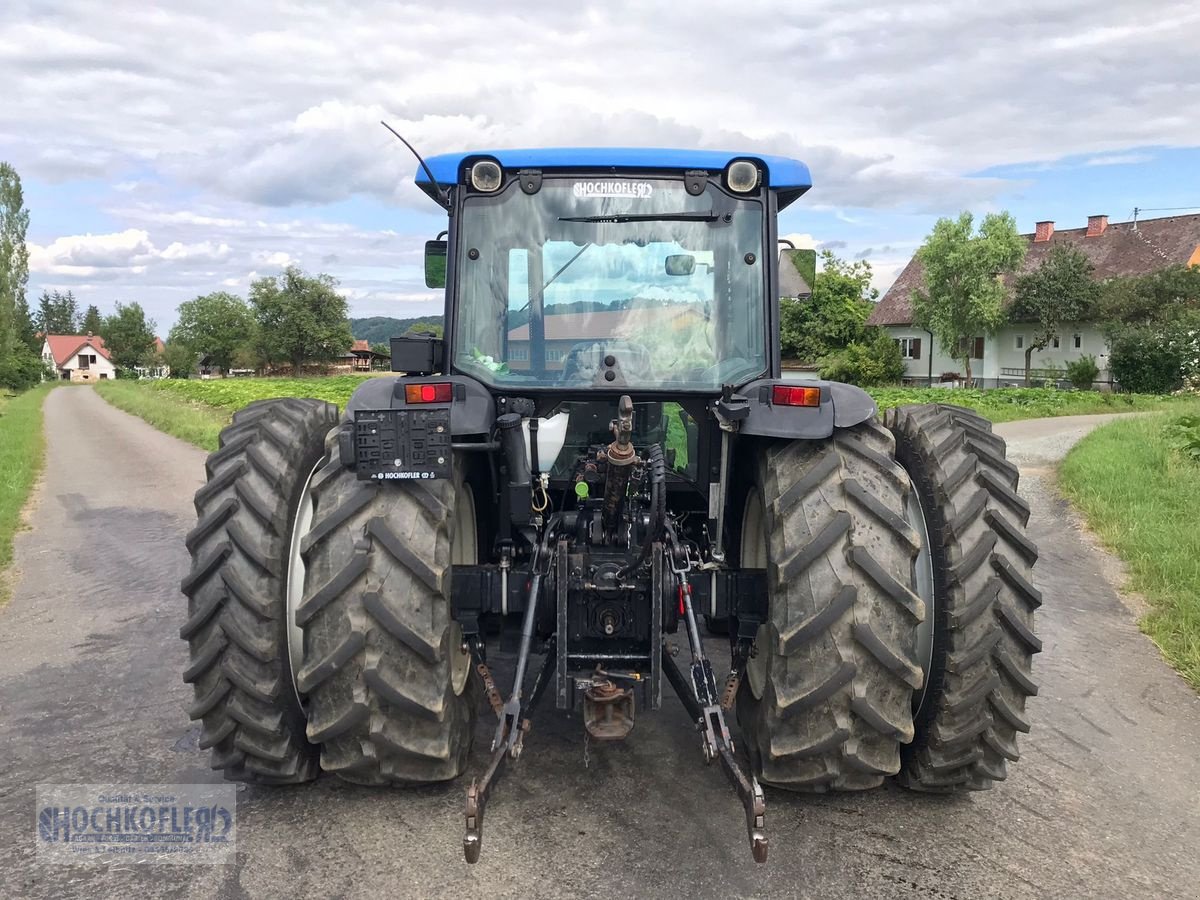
472,410
842,406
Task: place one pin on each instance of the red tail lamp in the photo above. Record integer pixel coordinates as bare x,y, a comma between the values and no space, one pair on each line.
786,395
439,392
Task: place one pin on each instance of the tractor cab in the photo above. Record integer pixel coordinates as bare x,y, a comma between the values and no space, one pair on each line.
612,270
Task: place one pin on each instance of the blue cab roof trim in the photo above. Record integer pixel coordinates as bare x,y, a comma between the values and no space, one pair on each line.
789,177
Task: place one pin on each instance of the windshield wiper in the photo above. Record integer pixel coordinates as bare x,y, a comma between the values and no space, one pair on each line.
618,218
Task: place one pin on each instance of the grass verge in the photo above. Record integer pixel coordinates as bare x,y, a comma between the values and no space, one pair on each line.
195,422
22,451
1141,497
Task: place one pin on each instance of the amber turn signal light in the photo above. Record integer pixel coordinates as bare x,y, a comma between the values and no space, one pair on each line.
786,395
441,392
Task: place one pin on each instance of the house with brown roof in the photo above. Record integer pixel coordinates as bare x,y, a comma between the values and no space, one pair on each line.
1116,250
361,358
78,357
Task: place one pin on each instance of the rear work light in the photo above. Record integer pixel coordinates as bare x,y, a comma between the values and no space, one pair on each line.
785,395
440,392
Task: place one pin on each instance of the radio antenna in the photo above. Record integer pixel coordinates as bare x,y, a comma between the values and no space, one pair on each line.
443,198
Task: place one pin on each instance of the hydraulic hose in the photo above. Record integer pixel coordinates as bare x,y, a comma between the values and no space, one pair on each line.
656,468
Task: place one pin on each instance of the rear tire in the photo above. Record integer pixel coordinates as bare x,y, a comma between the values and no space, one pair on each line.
984,638
390,688
827,698
237,607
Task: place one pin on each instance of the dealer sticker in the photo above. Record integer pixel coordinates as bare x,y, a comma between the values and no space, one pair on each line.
634,190
136,823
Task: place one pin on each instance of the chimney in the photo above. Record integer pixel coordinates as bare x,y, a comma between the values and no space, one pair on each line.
89,334
1044,230
1096,225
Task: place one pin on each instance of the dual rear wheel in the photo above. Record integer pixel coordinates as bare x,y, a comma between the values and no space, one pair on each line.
319,611
899,639
900,634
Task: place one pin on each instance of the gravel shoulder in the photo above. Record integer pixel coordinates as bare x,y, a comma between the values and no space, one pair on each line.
1103,802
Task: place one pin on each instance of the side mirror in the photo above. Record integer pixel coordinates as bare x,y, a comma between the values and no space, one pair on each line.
797,272
681,264
435,264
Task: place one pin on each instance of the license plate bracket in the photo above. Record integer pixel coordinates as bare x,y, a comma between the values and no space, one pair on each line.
402,444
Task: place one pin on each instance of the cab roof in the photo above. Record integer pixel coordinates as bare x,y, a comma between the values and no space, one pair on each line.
789,178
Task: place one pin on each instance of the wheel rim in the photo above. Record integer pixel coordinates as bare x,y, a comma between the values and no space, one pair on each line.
295,579
752,554
924,584
464,551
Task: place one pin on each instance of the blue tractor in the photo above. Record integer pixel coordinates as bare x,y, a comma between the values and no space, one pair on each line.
597,466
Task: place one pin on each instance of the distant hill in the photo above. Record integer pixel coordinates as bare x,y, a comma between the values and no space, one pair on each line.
379,329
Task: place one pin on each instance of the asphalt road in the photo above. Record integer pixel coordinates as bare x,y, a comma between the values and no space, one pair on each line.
1104,803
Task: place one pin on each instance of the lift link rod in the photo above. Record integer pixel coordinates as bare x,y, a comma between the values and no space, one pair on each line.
513,722
704,705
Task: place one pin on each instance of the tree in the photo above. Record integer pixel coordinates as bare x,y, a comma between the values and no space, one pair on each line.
1059,291
834,316
179,358
434,328
964,291
382,349
870,363
1161,296
300,318
57,313
24,328
214,325
14,260
93,322
129,336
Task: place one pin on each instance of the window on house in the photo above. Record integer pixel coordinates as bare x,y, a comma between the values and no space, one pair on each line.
554,356
92,358
518,354
103,376
977,352
1078,341
1055,342
83,360
910,348
1019,342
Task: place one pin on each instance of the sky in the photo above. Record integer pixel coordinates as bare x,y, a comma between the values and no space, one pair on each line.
174,149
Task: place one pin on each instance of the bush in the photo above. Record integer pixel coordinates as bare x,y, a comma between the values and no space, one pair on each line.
1183,434
21,369
866,365
1083,372
1143,360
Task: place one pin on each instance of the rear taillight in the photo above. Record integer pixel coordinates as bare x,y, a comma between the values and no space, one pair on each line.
438,392
786,395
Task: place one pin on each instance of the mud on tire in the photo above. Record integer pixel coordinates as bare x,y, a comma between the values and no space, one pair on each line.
237,626
390,692
827,700
984,638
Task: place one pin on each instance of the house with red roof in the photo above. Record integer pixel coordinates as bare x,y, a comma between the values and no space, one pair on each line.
78,357
1116,250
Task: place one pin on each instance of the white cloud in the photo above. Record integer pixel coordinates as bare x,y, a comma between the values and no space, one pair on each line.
1119,159
207,119
89,254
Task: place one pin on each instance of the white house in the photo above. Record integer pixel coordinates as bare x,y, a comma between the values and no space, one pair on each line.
78,357
1117,250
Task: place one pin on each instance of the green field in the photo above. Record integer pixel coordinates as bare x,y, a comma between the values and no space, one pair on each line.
1010,404
196,410
22,450
1141,497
